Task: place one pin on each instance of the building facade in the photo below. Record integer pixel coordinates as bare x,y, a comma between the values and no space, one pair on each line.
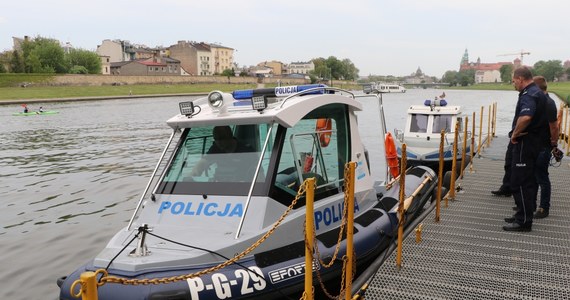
116,50
485,72
187,54
205,59
223,58
148,67
300,67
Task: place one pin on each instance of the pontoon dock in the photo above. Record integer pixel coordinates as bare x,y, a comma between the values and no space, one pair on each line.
467,255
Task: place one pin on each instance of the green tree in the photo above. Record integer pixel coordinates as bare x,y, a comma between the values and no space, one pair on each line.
89,60
228,72
78,70
42,55
506,73
333,68
466,77
450,77
549,69
350,70
17,63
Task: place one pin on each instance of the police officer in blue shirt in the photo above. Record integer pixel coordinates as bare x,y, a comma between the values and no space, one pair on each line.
550,141
529,124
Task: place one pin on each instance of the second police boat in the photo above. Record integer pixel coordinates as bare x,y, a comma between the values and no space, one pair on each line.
422,133
222,203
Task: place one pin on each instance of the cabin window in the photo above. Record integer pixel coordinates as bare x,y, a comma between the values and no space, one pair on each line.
306,153
442,122
219,160
419,123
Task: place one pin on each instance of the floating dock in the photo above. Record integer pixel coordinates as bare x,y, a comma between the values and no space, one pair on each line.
467,255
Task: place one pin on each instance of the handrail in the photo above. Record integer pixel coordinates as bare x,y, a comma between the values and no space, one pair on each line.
324,88
151,179
253,181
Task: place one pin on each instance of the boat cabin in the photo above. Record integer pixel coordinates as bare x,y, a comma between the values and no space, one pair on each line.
426,121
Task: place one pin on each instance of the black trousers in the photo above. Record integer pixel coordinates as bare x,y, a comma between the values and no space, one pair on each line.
506,186
523,181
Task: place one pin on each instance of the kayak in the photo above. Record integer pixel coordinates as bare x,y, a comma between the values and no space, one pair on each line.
33,113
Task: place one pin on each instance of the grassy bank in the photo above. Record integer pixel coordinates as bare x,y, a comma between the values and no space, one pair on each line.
60,92
51,92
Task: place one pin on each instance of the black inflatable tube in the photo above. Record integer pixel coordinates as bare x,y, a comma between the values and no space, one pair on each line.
375,265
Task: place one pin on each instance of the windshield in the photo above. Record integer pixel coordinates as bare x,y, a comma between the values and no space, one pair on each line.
419,123
218,160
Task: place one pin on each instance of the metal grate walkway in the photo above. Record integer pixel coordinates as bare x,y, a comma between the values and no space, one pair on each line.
467,255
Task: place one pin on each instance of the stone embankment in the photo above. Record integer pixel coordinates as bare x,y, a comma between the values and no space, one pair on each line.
98,80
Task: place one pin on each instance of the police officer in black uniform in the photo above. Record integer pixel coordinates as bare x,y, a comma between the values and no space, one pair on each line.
529,123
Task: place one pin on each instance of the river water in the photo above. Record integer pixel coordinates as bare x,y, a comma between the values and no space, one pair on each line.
69,181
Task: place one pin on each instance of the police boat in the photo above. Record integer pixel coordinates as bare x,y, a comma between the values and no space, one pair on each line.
221,216
422,133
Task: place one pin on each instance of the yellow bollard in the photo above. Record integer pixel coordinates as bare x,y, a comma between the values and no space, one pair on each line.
419,233
496,107
309,238
464,146
564,129
567,130
88,286
489,128
350,232
480,133
454,163
439,177
472,145
401,207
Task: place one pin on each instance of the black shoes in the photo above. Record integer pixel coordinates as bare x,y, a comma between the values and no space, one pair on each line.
510,220
501,192
517,227
541,213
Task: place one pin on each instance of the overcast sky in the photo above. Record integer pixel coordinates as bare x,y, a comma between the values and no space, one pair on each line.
379,37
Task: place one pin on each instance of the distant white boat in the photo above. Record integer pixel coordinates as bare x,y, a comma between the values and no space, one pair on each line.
383,88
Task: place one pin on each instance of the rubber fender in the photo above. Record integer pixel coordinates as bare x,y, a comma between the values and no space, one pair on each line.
446,180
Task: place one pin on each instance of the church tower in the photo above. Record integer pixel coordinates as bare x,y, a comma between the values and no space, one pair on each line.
465,59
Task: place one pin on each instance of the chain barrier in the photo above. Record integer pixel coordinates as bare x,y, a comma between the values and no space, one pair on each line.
343,223
105,278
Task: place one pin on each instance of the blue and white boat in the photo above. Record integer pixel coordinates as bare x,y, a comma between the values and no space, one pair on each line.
229,224
422,133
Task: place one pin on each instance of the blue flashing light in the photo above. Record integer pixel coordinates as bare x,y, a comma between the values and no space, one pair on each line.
242,94
441,102
280,91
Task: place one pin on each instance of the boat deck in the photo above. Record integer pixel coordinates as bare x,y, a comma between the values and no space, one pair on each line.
467,255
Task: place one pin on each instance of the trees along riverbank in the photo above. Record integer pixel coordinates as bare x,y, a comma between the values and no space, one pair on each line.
43,93
561,89
14,92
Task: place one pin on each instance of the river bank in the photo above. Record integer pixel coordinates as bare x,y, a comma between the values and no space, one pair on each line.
46,94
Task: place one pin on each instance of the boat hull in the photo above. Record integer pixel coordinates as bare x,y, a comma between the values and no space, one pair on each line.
275,273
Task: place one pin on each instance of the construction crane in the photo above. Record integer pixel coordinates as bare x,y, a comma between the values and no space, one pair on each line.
520,54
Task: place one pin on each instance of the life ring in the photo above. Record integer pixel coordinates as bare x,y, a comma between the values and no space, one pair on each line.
324,130
391,155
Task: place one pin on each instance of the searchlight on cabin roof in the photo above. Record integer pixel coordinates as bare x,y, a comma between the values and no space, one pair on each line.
187,108
259,103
